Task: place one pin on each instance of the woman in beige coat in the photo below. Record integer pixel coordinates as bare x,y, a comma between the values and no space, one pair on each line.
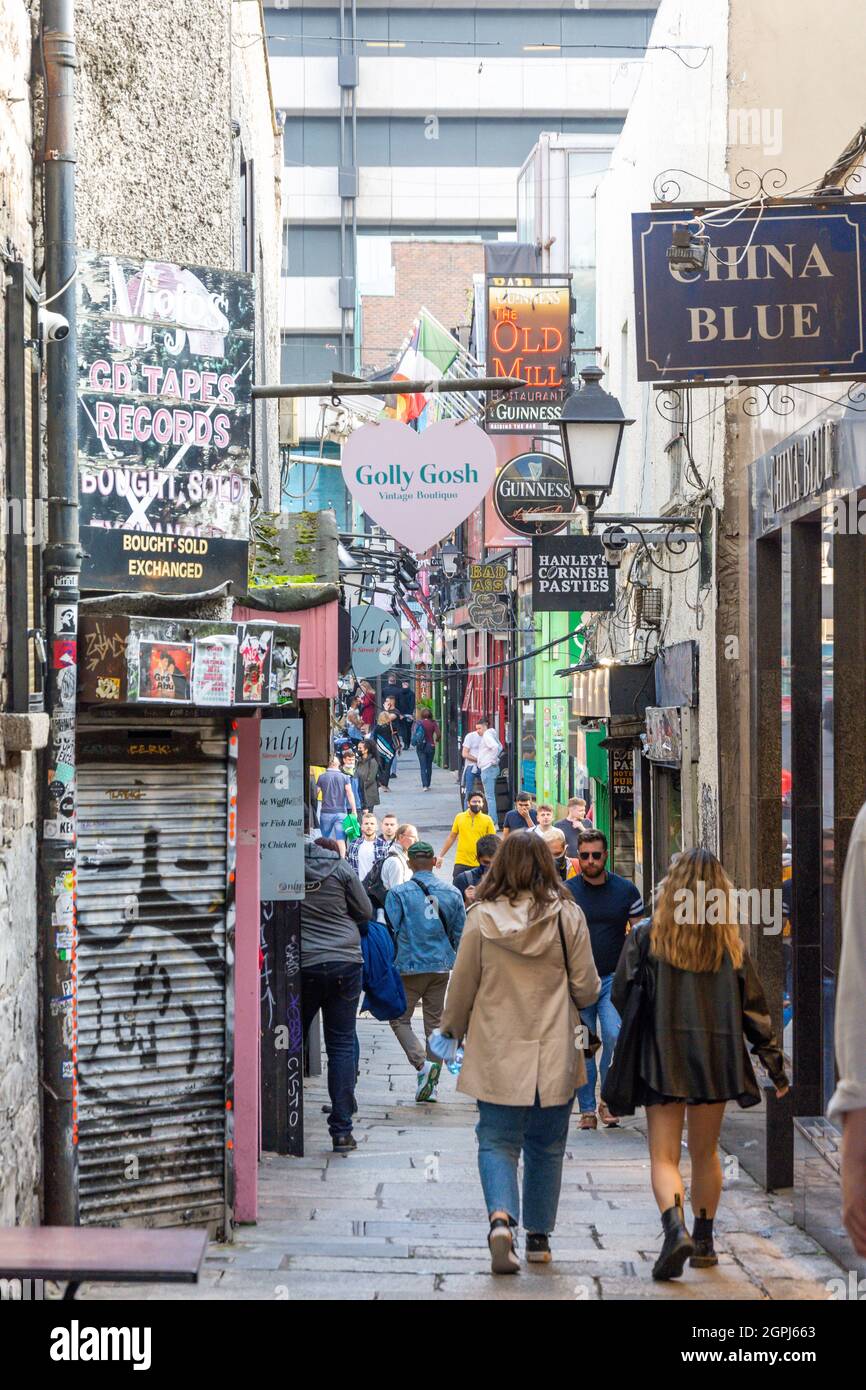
523,970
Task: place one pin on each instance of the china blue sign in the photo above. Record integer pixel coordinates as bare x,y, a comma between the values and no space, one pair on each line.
781,300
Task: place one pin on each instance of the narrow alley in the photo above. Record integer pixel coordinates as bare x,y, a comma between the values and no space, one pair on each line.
402,1218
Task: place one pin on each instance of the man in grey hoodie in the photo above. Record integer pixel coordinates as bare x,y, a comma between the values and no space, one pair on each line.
331,969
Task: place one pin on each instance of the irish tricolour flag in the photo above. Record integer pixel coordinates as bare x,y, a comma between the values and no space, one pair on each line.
426,357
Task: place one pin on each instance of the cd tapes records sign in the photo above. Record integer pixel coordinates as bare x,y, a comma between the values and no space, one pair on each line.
164,424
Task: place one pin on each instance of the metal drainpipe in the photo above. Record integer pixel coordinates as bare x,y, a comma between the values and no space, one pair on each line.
62,572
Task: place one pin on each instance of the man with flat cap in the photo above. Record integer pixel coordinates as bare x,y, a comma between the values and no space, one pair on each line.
426,916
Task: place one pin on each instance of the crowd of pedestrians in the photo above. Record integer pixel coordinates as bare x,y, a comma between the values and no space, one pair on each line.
544,966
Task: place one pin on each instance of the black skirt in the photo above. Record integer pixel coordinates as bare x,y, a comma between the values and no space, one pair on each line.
647,1096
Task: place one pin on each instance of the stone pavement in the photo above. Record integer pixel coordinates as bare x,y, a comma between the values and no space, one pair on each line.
403,1218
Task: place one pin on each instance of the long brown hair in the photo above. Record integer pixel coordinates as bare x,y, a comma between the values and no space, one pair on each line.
524,864
694,924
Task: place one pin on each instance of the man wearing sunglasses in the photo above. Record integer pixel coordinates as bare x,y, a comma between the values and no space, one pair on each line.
611,905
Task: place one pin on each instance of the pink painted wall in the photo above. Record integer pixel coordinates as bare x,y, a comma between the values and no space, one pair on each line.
247,1022
317,676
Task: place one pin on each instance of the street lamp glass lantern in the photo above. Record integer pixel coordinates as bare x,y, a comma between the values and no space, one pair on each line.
592,425
450,557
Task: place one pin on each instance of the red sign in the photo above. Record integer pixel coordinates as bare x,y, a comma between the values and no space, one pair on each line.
529,336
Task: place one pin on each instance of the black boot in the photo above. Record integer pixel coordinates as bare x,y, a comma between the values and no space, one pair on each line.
678,1244
705,1255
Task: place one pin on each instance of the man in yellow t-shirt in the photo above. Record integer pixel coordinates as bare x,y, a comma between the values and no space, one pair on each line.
467,830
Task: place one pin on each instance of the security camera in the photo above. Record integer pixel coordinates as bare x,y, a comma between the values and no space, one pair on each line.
53,328
615,541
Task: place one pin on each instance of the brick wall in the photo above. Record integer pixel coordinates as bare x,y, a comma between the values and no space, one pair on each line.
19,1083
436,275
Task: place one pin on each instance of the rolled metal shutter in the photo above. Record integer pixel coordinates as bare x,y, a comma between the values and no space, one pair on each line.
153,970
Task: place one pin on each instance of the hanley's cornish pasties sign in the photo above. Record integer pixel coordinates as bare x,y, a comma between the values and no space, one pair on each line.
164,424
571,575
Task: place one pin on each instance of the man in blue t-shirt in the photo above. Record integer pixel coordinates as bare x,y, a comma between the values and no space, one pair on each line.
611,905
521,816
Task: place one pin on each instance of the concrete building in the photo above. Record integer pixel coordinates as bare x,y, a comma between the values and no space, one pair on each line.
413,119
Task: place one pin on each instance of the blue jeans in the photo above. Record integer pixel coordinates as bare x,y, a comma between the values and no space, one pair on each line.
488,782
502,1132
331,825
600,1017
425,763
335,988
470,773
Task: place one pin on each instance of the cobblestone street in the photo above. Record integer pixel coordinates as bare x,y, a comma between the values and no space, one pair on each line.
402,1218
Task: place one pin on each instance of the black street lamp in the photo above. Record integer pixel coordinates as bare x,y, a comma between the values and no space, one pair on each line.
450,558
592,425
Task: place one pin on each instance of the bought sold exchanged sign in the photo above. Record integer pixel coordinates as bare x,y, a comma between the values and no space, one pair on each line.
781,296
571,575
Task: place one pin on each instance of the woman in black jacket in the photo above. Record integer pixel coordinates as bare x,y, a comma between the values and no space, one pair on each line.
701,996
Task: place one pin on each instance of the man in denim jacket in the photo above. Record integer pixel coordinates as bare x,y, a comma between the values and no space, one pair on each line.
426,917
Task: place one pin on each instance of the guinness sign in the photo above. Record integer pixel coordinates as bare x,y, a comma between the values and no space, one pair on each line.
529,484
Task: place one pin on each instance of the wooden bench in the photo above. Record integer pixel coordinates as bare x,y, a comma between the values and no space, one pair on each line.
91,1254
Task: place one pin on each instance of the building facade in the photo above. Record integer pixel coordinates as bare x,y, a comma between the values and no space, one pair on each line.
182,200
409,120
749,748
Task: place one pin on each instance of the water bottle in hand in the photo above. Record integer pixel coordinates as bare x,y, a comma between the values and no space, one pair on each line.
454,1067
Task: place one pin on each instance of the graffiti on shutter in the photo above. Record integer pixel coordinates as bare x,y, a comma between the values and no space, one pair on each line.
155,941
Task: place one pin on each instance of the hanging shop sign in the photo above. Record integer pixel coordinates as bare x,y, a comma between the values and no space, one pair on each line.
418,486
376,641
780,299
664,743
488,578
570,575
530,484
124,661
529,335
281,809
489,613
164,419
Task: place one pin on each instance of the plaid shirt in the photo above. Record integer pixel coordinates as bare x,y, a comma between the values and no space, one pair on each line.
380,849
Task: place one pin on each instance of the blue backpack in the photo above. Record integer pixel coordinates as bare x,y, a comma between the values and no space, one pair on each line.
419,736
385,997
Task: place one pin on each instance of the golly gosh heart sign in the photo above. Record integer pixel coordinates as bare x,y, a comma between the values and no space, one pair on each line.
419,487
